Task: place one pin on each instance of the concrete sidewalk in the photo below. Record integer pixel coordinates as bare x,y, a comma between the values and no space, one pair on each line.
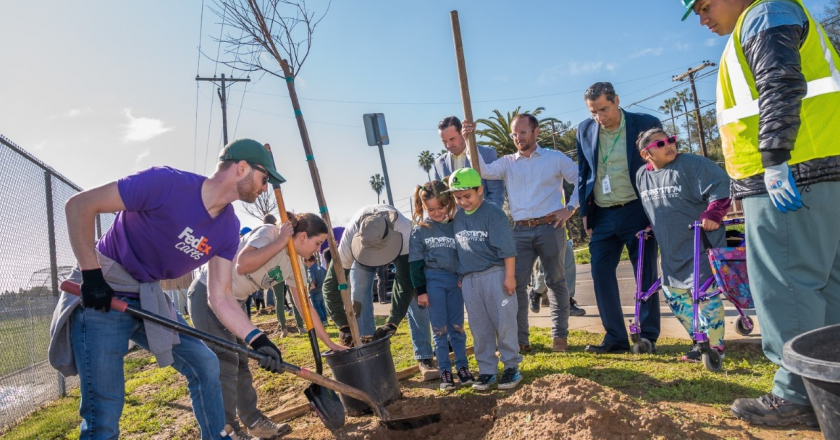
591,322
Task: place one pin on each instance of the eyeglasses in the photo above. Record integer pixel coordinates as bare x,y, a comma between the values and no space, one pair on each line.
520,134
262,170
662,143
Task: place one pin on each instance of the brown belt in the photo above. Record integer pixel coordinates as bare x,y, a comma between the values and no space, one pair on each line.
549,219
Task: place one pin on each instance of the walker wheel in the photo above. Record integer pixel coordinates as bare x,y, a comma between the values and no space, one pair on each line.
741,328
643,346
712,360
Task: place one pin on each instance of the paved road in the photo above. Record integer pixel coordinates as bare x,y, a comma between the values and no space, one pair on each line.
584,289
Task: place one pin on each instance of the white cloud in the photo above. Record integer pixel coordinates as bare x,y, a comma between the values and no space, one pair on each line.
551,74
39,146
712,42
143,129
73,113
655,51
682,46
143,154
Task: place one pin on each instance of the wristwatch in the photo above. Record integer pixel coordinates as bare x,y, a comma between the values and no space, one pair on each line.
571,208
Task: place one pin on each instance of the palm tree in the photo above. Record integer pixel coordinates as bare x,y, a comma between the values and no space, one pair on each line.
426,160
684,95
377,183
497,132
668,107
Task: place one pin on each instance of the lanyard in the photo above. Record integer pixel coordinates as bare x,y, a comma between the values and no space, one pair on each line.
615,141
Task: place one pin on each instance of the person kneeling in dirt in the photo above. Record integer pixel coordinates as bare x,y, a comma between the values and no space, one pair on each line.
486,264
169,222
375,236
262,261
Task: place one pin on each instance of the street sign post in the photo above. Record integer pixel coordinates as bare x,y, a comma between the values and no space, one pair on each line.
377,134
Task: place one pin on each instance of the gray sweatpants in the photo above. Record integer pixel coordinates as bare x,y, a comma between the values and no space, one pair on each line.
492,317
238,391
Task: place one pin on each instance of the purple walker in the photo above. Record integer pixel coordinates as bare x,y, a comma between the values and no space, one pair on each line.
730,273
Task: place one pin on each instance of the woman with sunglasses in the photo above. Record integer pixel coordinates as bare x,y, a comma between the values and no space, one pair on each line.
677,190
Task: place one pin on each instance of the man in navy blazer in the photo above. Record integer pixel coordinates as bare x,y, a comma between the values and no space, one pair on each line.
456,157
612,211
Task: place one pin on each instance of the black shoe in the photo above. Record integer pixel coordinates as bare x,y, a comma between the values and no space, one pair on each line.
447,383
772,410
510,378
534,301
465,377
574,310
606,349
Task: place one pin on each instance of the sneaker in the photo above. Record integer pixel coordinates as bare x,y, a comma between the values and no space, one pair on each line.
510,379
236,433
574,310
465,377
428,369
265,428
484,382
534,301
544,301
772,410
447,383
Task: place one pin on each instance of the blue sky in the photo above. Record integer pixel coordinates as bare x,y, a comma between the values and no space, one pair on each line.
101,89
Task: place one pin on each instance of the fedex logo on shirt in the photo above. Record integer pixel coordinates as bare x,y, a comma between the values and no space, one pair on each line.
195,247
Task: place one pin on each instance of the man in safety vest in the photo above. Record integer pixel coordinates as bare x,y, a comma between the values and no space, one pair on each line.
778,111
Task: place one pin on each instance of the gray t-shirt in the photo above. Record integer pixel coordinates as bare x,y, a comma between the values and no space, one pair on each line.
673,198
483,239
434,244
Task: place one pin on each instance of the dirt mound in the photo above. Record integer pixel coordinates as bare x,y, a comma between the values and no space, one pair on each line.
567,407
554,407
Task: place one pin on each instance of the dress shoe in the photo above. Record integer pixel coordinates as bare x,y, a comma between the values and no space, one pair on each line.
606,349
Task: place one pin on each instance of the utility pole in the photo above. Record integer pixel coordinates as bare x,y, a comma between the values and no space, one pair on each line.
690,75
222,91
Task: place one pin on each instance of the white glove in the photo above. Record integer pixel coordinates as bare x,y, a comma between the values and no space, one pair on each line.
781,188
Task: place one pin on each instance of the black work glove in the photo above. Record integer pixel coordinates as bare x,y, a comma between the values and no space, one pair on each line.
345,338
272,359
96,293
384,331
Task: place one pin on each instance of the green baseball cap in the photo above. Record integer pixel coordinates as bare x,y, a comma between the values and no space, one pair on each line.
252,152
689,7
464,178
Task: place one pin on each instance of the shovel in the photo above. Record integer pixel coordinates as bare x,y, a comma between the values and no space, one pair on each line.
321,395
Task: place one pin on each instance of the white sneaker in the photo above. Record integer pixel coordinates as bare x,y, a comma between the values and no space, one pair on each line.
266,429
236,433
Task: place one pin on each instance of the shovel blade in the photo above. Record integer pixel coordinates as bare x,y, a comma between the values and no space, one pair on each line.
326,404
414,422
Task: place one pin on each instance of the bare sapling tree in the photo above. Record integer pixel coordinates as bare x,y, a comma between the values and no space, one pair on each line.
265,204
282,30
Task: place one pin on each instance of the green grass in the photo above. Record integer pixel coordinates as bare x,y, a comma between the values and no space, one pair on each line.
152,392
23,342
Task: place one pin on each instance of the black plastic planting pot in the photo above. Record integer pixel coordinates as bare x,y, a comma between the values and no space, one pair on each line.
816,357
369,368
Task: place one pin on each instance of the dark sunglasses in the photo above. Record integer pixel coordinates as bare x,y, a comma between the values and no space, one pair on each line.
262,170
662,143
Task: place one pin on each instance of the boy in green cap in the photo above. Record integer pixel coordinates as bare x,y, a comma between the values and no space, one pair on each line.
777,95
486,263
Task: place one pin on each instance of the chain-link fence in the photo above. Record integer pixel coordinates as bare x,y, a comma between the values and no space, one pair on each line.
35,256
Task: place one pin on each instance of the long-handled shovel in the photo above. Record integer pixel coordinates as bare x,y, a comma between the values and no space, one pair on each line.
323,399
303,298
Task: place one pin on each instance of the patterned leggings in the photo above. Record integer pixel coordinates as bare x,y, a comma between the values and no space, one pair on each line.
711,313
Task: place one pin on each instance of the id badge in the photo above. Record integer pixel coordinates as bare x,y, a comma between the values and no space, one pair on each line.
605,185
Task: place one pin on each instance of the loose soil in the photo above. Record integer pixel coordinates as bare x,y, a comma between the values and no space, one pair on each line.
558,406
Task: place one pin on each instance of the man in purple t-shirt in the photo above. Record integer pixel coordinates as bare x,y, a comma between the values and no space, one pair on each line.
169,222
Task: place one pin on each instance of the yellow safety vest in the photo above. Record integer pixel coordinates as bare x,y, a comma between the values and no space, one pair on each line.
737,103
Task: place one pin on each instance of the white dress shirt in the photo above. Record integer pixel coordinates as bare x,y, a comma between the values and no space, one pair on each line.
534,184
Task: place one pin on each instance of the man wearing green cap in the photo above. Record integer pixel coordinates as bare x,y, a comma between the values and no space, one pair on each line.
777,95
169,222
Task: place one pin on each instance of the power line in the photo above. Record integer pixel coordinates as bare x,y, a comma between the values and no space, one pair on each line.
215,70
198,65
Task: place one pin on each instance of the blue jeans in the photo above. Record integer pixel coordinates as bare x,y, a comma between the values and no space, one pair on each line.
100,342
318,302
446,312
361,294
